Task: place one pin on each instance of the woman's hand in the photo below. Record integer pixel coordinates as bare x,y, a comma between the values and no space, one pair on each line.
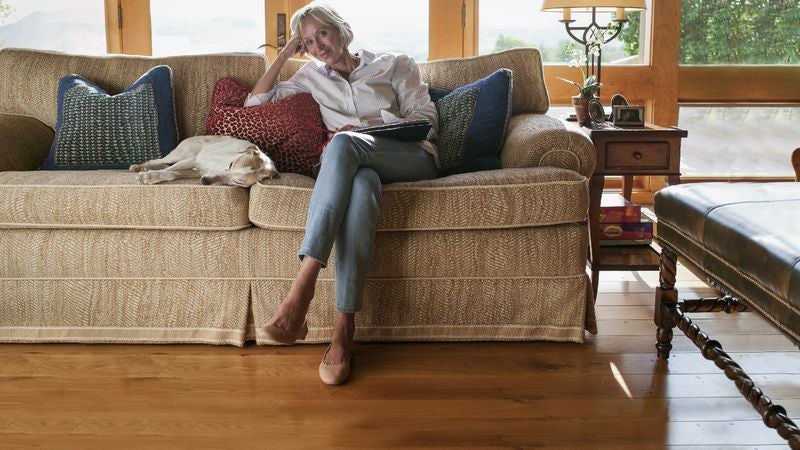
293,48
344,128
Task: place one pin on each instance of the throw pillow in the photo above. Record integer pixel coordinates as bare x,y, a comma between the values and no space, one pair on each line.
290,130
472,123
95,130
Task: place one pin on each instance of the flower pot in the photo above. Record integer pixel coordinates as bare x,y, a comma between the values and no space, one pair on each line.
581,105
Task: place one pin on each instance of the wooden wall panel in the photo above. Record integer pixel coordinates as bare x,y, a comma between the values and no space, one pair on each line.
113,31
714,84
445,34
271,9
136,29
665,54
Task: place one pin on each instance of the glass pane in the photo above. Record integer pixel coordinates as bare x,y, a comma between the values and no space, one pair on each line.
738,141
386,25
522,23
183,27
77,26
740,32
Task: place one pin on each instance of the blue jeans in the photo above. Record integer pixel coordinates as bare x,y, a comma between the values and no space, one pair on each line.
346,202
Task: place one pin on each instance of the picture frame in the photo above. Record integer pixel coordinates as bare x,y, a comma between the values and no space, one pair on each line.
596,111
628,116
616,100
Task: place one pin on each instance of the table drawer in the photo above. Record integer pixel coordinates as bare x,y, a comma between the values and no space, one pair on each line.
637,155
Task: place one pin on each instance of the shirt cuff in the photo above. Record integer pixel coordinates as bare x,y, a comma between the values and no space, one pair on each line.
258,99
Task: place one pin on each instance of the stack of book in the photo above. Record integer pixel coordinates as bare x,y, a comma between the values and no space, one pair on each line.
622,222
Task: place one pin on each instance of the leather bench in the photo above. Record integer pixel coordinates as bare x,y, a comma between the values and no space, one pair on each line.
745,238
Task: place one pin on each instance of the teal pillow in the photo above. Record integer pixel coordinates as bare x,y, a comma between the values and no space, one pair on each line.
472,123
95,130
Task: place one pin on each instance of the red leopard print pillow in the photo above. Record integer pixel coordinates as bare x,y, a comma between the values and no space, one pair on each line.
290,131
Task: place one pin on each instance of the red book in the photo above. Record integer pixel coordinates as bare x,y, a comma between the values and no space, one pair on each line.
615,209
629,231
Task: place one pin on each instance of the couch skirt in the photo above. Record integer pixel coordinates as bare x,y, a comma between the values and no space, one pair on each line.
182,286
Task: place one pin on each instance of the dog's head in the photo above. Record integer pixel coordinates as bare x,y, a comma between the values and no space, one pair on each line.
248,168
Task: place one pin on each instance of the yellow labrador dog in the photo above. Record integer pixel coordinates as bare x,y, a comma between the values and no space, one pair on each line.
221,160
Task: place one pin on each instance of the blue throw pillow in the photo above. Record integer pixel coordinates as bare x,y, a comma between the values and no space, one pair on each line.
472,123
95,130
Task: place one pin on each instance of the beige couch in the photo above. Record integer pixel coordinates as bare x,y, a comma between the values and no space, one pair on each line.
91,256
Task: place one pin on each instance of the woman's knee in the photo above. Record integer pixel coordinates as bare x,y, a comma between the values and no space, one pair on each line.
367,180
343,145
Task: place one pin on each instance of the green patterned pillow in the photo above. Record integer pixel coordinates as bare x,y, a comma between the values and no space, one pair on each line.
95,130
472,123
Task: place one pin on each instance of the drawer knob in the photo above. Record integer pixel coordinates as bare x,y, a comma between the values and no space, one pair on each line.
637,155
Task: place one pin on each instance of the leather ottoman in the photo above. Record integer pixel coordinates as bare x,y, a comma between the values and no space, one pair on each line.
745,237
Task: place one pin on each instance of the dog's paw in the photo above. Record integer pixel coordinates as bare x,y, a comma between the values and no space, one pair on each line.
136,168
148,178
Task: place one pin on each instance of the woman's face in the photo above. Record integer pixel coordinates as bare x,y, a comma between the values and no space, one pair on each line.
321,42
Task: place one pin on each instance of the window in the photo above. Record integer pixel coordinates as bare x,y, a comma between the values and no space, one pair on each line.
521,23
204,26
740,32
738,141
77,26
384,25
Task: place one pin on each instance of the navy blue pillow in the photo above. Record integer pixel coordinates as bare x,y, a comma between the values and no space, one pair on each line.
95,130
472,123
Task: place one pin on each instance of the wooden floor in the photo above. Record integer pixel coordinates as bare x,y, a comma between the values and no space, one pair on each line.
609,393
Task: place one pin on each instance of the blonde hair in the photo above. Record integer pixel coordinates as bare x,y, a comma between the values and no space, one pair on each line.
326,16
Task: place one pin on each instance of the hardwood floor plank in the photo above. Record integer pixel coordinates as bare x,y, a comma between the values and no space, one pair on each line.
474,359
682,344
743,324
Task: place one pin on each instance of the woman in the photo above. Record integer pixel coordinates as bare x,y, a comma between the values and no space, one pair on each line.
352,89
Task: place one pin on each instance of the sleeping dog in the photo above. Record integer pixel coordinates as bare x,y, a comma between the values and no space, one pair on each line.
221,160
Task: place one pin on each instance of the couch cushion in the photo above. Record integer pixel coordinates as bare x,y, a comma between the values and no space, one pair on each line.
507,198
113,199
30,80
472,123
96,130
289,130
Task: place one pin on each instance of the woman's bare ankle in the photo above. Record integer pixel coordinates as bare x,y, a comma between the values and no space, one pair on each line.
292,312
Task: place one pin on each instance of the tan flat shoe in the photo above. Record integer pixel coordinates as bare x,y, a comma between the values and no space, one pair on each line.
283,335
334,374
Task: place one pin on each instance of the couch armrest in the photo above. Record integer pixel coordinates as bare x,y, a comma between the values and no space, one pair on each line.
24,142
537,140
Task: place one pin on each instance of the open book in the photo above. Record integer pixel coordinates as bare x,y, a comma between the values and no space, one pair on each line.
406,130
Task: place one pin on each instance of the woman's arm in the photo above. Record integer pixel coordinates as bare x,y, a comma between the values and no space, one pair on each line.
267,81
267,89
412,93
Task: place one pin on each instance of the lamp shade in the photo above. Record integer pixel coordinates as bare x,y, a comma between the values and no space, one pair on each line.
553,5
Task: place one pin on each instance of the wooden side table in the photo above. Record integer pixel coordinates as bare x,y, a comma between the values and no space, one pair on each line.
650,150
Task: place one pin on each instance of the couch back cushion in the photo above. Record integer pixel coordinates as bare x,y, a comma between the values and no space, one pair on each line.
30,80
530,91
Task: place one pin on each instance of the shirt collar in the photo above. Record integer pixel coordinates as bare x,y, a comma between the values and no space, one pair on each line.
365,55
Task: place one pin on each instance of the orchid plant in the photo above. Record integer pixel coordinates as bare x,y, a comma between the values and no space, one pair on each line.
577,58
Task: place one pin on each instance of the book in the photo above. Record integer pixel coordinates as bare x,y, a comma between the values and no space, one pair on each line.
406,130
627,230
625,242
615,209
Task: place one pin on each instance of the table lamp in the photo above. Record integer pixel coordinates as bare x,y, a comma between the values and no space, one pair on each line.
593,33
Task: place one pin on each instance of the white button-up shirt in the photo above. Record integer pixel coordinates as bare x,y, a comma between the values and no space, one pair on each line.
384,88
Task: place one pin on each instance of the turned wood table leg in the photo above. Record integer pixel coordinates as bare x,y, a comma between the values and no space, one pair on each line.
666,299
